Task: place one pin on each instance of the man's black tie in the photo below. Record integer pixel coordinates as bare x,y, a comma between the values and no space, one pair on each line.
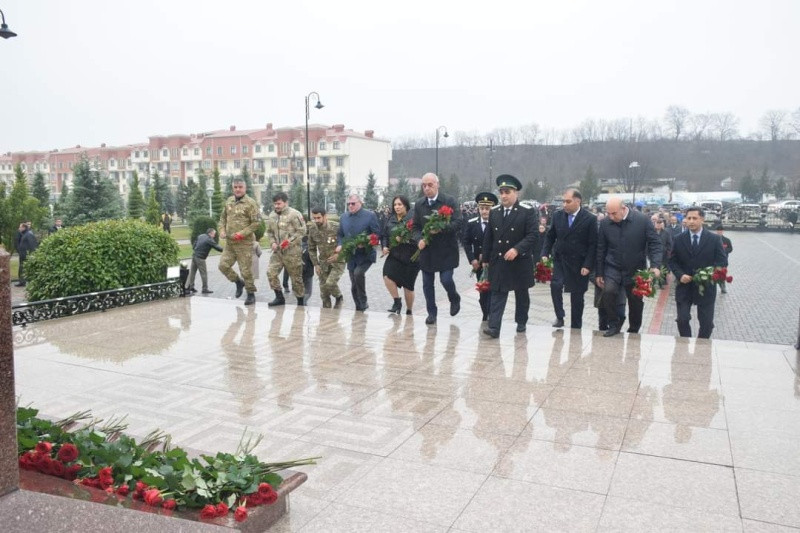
505,213
695,242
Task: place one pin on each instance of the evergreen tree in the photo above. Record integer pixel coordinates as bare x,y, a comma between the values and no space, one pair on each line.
169,201
318,194
18,207
297,196
403,188
340,193
748,188
153,214
780,188
217,201
454,188
61,203
3,212
198,202
40,189
370,194
135,199
589,187
267,194
159,186
764,187
182,200
93,196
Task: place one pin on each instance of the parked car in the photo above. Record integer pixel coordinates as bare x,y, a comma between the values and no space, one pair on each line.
785,205
712,206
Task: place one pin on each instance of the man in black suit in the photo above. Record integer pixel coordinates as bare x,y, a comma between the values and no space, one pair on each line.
625,240
675,227
509,245
473,242
441,254
727,245
696,248
572,240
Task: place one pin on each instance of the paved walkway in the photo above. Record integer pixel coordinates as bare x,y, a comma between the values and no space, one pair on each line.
439,428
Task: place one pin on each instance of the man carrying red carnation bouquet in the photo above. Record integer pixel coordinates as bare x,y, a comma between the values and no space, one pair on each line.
437,220
693,250
358,221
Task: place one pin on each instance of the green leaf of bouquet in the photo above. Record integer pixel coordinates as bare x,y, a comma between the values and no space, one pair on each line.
97,437
188,479
273,479
124,460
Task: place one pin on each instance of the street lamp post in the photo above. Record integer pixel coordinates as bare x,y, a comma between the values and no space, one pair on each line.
491,150
632,167
210,193
438,130
5,32
308,179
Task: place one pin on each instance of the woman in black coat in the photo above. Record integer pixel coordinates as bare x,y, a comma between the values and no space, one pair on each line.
399,272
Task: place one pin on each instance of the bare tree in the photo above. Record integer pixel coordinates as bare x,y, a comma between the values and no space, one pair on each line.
794,124
529,133
773,124
675,119
725,126
699,125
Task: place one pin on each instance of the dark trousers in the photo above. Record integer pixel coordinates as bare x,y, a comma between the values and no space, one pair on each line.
446,279
484,298
20,274
705,314
613,286
498,307
557,295
358,285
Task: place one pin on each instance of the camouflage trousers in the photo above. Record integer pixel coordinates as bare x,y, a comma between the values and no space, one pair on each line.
242,253
329,281
293,263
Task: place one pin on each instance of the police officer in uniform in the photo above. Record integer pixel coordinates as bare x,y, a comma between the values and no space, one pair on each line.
473,242
509,244
286,228
322,251
238,222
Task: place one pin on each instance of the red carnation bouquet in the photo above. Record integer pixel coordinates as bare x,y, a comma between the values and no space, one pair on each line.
351,245
483,283
544,270
437,221
644,284
401,234
284,244
708,275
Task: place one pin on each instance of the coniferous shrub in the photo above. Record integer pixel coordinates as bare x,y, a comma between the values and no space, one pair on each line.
200,225
98,256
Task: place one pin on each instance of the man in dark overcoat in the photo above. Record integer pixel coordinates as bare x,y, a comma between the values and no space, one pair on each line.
473,242
694,249
509,245
625,241
441,253
572,241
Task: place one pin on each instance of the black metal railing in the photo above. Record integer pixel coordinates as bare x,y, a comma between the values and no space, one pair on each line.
29,312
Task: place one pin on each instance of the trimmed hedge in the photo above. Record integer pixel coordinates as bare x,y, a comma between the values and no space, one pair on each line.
98,256
200,225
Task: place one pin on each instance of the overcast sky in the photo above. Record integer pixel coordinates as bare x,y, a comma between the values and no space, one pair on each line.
93,71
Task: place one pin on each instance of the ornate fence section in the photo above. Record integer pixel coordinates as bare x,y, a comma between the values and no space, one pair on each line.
29,312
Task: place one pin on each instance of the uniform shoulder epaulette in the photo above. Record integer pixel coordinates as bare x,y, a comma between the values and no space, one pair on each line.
498,206
473,219
524,206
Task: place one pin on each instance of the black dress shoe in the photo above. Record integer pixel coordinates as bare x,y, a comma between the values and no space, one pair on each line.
206,291
239,288
192,289
485,318
408,312
430,320
338,302
521,328
559,323
493,333
611,331
455,306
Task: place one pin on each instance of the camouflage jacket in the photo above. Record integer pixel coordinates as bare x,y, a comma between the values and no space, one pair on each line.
240,216
288,226
322,240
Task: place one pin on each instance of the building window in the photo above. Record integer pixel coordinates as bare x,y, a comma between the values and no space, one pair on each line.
207,163
296,147
136,153
208,150
237,164
284,162
258,148
335,145
223,164
219,150
323,146
176,165
325,162
260,164
111,163
271,148
274,163
233,150
340,161
185,152
164,153
197,151
146,153
244,149
311,162
189,165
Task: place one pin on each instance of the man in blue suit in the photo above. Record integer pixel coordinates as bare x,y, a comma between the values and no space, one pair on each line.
694,249
572,240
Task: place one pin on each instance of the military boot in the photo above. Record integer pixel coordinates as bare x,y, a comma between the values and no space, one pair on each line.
326,302
279,299
301,300
251,299
239,287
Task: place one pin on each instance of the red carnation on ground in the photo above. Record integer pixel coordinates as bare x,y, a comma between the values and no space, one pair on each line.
68,453
284,244
208,512
222,509
240,515
169,505
153,497
57,468
44,447
71,474
123,490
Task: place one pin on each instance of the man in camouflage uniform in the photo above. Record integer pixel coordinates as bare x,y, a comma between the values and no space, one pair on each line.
239,220
286,228
321,249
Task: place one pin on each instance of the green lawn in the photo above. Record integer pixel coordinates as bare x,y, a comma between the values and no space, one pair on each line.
180,233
